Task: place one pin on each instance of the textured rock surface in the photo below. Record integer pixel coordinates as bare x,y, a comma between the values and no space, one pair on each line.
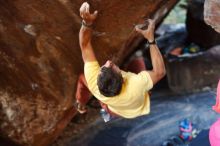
195,72
212,13
40,58
199,32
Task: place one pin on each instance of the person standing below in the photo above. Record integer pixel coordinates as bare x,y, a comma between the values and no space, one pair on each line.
214,132
120,93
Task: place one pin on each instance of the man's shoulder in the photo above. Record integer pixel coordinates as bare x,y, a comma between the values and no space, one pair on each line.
126,73
89,63
142,79
91,69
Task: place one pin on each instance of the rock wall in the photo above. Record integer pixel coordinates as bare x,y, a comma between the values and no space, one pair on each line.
211,14
40,58
194,73
199,32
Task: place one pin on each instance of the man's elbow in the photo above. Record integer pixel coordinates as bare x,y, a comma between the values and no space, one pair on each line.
83,45
161,74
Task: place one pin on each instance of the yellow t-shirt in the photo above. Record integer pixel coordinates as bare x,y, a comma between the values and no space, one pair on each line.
133,99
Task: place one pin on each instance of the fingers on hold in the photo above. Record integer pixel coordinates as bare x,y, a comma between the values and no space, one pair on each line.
95,13
87,8
82,10
138,29
87,13
85,4
84,7
151,23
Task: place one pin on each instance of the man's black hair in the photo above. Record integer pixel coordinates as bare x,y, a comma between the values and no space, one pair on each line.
109,82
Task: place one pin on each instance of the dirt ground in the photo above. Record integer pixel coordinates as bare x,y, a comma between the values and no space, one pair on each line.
167,109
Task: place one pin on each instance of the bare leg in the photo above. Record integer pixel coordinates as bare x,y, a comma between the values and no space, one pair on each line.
82,94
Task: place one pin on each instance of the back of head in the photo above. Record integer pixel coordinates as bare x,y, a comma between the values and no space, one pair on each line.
214,132
109,82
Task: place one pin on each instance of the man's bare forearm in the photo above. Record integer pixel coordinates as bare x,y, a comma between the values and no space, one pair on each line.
157,60
85,35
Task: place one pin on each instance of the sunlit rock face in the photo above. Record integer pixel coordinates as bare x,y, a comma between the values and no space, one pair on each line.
194,73
40,58
200,32
211,13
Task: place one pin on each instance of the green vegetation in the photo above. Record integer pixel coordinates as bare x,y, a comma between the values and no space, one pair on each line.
178,14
